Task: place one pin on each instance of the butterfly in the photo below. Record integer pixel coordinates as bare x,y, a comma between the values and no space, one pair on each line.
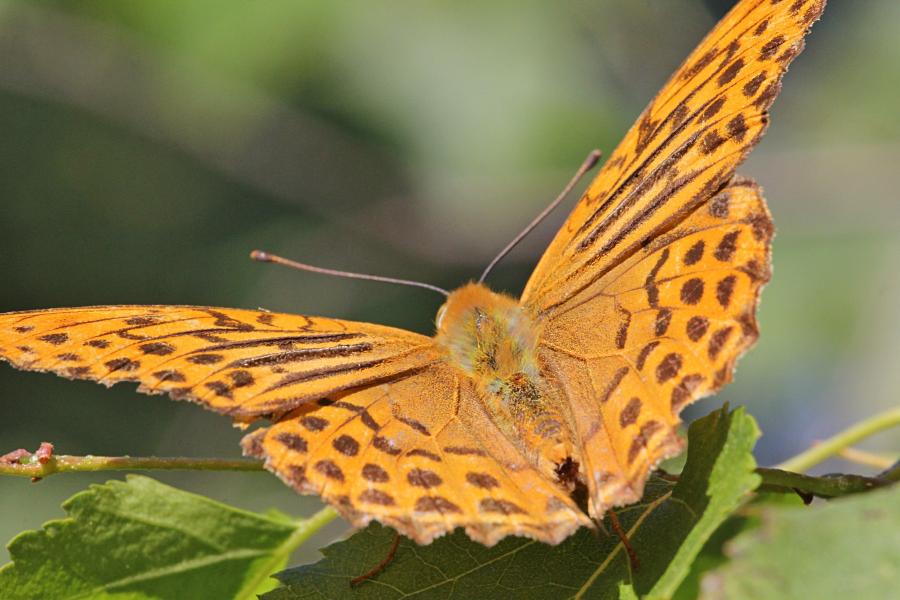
641,304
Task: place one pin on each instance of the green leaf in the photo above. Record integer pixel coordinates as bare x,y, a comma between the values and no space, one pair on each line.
710,557
715,481
713,554
846,548
626,592
141,539
667,528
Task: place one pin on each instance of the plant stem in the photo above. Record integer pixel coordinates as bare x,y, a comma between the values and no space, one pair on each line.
305,530
824,487
307,527
853,434
35,469
868,459
892,473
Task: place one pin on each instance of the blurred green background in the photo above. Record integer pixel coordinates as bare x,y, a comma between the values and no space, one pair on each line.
148,146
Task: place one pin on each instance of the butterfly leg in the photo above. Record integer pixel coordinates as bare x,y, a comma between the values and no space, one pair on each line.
623,536
381,566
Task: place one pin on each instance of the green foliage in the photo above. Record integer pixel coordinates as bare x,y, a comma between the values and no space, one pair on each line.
696,537
140,539
667,528
846,548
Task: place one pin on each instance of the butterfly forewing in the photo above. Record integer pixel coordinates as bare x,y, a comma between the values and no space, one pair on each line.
683,148
647,295
244,363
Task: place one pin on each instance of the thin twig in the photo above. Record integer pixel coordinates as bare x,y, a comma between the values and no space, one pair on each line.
824,487
809,486
869,459
31,467
853,434
891,474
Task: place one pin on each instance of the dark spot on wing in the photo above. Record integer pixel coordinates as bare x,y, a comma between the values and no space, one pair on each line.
424,453
724,289
717,340
728,75
752,86
55,338
727,246
291,441
205,359
482,480
241,378
219,388
157,348
692,291
346,445
419,427
663,319
464,451
374,473
684,391
630,413
697,327
435,504
170,375
330,470
494,505
313,423
668,367
643,354
737,128
613,384
424,478
122,364
695,253
711,141
385,445
376,497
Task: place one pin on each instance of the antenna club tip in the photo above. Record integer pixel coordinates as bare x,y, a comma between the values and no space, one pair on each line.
259,255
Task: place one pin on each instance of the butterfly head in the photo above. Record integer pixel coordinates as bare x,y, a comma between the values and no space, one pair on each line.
466,303
485,332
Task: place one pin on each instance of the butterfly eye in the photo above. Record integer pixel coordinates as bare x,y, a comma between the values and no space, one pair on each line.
440,315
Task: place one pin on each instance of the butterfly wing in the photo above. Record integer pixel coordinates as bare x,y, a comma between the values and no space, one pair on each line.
417,453
370,418
669,324
647,295
244,363
683,148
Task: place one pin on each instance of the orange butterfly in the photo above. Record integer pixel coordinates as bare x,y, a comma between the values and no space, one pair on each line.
642,304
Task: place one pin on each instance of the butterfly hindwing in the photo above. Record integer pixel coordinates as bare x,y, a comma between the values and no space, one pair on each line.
419,454
678,314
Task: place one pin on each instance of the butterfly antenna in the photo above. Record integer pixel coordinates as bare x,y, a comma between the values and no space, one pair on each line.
260,256
586,166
